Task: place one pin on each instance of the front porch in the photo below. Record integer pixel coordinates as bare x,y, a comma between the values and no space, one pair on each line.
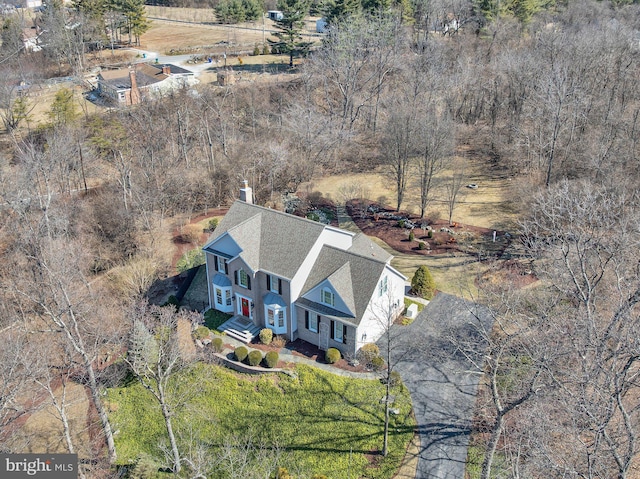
240,328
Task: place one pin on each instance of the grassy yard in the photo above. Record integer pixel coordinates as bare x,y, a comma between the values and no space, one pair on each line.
326,424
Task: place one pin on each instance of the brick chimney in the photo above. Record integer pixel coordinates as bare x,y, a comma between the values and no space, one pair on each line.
166,70
135,93
246,193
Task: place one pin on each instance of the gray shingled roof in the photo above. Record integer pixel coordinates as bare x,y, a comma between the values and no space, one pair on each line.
363,246
357,288
271,240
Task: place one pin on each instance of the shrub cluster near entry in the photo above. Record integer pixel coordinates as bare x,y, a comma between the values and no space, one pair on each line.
241,353
255,357
271,359
332,355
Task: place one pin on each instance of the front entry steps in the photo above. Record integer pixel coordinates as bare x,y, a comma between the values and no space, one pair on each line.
240,328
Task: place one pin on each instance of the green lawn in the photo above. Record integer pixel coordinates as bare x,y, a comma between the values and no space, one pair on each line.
326,424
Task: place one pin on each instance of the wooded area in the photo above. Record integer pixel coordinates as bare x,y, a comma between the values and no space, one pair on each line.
550,99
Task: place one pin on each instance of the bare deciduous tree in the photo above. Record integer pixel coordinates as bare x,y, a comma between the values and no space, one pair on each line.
154,357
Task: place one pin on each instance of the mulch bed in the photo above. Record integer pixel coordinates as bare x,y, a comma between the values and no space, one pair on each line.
382,222
305,350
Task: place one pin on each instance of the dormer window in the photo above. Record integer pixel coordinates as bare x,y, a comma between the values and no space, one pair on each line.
328,297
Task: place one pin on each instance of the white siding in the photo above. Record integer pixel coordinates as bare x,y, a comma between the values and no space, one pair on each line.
374,320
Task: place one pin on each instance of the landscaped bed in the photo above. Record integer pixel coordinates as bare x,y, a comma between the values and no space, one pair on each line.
325,424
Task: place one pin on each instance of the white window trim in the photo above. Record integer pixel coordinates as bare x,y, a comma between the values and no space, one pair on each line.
331,295
384,285
337,332
228,297
274,284
277,313
220,266
313,317
240,276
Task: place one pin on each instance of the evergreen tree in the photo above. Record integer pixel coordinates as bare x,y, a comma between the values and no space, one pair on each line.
340,9
231,11
422,283
289,38
253,9
63,109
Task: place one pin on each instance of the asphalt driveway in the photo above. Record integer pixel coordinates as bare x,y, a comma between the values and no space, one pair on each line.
442,381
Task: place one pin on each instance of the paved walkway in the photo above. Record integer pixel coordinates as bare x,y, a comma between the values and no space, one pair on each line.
344,220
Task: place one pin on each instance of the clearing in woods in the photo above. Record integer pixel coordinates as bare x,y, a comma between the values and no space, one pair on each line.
488,206
190,30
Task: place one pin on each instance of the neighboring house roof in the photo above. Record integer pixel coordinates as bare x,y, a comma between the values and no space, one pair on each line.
271,240
354,278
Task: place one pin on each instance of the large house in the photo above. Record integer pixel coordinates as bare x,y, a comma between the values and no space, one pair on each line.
302,279
130,86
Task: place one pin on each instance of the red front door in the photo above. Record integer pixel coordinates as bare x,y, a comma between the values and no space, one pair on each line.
245,307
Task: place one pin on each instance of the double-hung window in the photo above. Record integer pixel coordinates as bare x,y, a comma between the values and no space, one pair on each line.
383,286
338,331
328,297
274,284
243,279
222,264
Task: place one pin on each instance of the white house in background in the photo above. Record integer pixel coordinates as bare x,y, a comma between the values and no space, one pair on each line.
275,15
131,86
300,278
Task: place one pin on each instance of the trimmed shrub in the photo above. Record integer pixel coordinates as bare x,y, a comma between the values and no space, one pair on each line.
332,355
217,344
173,301
254,358
395,379
271,359
412,236
430,234
201,332
282,473
266,336
422,283
400,223
367,352
241,353
377,363
422,245
213,224
256,50
265,49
